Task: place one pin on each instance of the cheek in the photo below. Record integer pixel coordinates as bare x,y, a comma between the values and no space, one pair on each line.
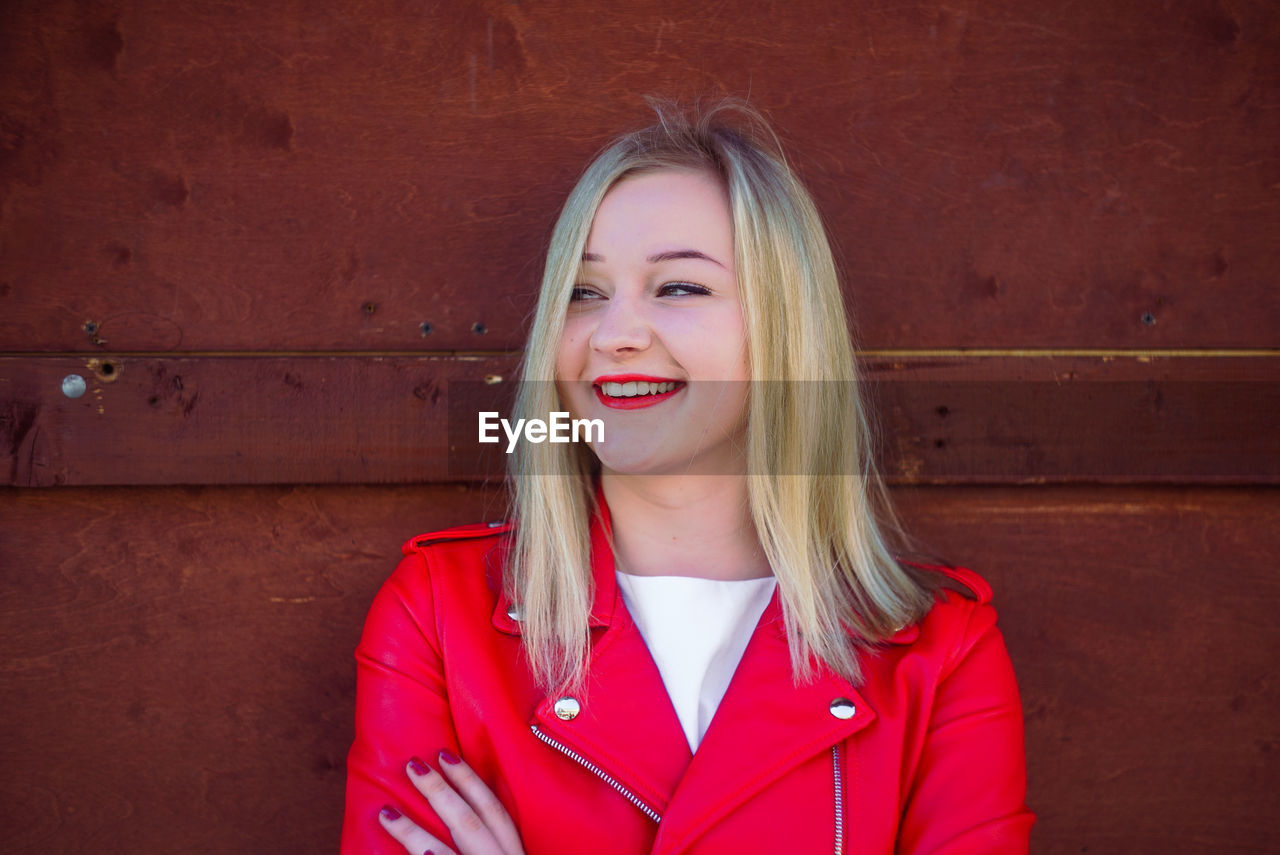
570,363
727,350
739,362
569,358
572,351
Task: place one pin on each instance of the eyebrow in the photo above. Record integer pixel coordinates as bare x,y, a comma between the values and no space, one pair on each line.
670,255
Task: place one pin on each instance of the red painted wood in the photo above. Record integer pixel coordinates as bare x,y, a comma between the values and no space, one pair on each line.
177,663
248,420
243,176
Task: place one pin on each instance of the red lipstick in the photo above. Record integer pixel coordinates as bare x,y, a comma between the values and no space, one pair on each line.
638,401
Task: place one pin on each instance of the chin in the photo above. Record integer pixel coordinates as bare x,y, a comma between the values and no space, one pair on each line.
631,462
664,463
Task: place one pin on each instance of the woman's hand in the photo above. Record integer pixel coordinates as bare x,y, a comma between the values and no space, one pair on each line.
480,825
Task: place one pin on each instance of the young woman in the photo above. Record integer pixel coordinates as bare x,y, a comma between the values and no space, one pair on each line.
693,635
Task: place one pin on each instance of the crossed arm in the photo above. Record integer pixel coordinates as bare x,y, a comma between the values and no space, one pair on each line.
401,704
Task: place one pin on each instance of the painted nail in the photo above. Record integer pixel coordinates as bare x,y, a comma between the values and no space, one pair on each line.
389,812
418,767
449,757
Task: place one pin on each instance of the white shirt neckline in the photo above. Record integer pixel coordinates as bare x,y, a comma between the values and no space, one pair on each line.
696,630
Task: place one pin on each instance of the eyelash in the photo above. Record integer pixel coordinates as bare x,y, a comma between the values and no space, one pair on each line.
581,293
691,287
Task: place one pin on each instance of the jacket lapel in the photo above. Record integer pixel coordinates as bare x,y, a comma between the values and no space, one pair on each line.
764,727
626,725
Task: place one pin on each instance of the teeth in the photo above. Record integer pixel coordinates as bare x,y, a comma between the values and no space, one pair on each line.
635,387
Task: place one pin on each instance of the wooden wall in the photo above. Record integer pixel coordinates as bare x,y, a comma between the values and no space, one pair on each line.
271,238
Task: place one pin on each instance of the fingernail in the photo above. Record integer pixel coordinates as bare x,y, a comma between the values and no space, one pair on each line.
418,767
449,757
389,812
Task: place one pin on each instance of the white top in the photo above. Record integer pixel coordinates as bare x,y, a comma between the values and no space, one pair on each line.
696,630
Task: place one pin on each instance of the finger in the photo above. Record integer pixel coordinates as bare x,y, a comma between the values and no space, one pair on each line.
469,831
482,801
415,840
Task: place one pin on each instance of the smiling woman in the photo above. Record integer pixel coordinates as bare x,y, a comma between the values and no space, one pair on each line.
694,633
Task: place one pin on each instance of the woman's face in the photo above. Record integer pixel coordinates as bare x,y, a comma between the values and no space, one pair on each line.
654,343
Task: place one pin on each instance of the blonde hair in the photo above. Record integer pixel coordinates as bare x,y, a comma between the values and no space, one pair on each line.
819,507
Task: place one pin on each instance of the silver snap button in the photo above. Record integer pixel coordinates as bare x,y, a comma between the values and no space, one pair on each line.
843,708
513,612
567,708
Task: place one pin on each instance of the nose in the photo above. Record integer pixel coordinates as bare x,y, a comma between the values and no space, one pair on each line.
622,328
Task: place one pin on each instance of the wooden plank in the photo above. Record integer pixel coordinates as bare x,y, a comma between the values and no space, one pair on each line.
1082,419
176,662
1007,173
408,419
256,420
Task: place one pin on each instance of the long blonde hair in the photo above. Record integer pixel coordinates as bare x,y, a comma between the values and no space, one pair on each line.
819,507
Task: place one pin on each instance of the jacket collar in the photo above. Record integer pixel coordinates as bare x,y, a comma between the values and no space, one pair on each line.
605,600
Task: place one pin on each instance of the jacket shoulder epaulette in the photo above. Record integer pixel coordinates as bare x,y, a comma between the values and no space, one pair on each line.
462,532
978,589
962,580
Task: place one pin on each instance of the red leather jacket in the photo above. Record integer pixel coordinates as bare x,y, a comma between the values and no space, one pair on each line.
926,756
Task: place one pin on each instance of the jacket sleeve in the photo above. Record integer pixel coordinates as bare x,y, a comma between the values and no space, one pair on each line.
402,710
970,784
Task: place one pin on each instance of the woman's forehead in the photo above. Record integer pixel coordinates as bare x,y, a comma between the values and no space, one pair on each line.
653,207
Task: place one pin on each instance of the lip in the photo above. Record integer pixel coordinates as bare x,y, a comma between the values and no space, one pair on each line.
637,403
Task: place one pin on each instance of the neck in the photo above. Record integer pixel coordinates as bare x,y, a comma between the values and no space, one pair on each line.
683,525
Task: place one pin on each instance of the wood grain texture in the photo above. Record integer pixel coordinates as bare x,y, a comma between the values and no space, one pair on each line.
240,176
235,420
177,672
177,664
405,419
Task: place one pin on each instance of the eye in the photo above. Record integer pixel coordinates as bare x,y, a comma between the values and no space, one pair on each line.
681,289
582,293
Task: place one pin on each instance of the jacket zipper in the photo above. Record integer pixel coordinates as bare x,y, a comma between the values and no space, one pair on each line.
656,817
835,764
598,772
